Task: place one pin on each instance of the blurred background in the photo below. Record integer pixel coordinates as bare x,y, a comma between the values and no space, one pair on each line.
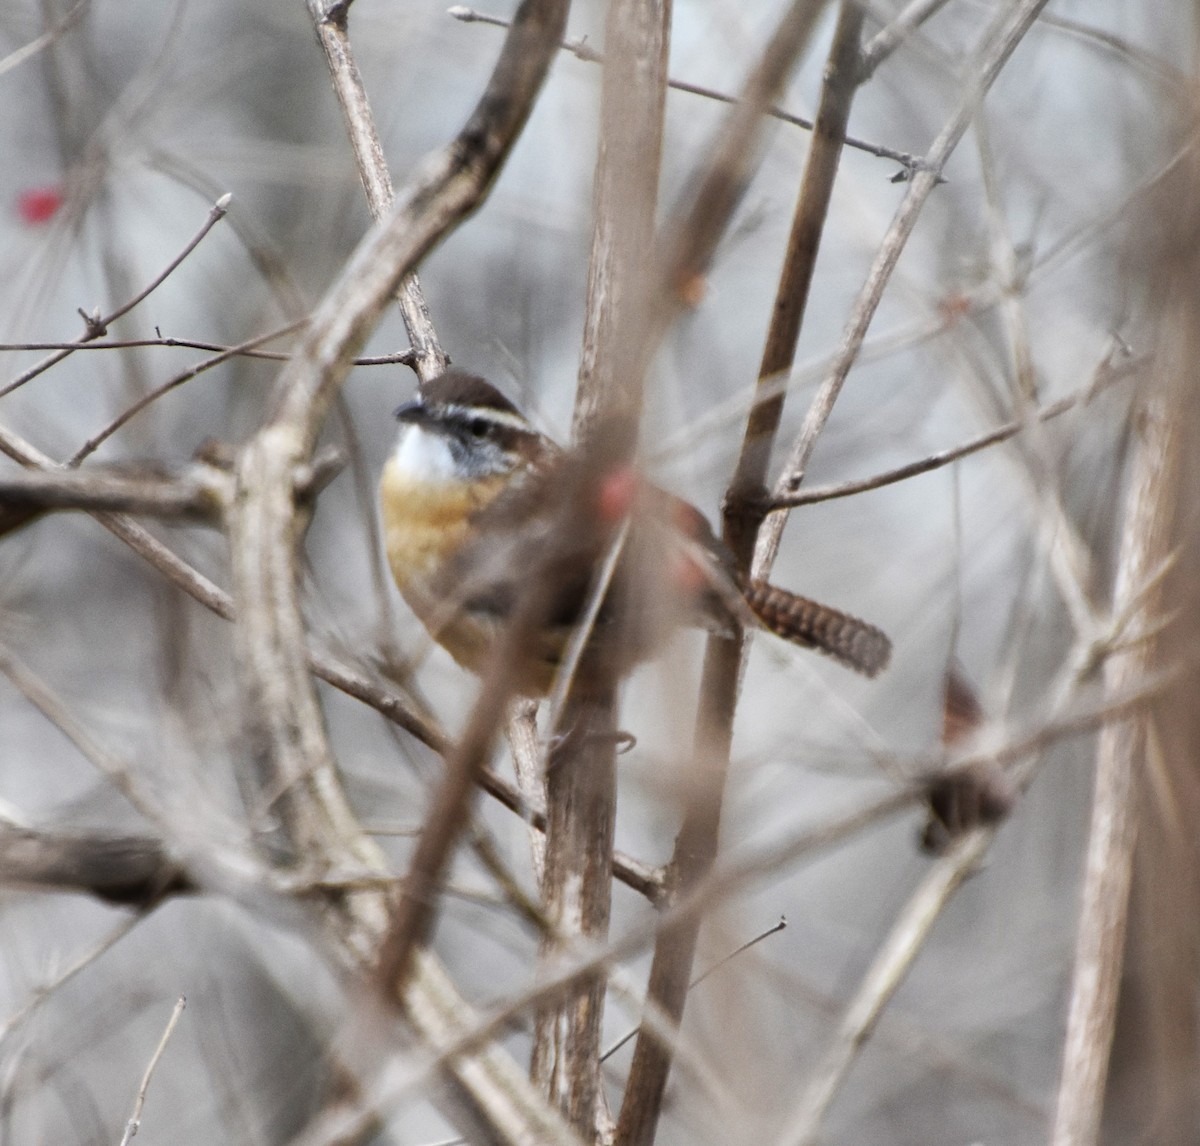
1017,289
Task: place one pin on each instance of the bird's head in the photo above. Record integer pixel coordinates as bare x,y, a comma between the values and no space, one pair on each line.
461,428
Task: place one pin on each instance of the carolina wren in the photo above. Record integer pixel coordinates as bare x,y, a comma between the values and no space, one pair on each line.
467,493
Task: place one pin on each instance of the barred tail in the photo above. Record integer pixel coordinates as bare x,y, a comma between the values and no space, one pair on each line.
854,643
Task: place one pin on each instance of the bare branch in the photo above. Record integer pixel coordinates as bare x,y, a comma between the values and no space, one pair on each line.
97,326
945,457
581,779
135,1119
191,495
242,350
696,846
1100,943
581,50
132,871
996,46
330,19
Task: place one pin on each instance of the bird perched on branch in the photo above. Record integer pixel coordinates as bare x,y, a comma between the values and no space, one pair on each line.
479,508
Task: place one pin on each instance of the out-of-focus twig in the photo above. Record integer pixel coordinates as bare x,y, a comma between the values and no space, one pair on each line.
190,495
46,990
28,51
696,845
1100,943
581,779
880,46
133,871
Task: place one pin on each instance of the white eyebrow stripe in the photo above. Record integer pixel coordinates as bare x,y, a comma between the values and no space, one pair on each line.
489,414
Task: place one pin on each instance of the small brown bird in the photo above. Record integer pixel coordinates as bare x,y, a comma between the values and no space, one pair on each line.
472,490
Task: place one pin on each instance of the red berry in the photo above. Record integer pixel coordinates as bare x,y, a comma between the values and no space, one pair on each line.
39,204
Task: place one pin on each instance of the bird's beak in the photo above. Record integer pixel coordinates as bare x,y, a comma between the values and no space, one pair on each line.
412,411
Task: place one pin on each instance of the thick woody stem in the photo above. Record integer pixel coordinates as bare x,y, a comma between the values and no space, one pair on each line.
1120,758
285,722
581,784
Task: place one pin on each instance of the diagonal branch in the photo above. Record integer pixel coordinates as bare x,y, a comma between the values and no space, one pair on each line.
286,725
264,527
96,325
330,20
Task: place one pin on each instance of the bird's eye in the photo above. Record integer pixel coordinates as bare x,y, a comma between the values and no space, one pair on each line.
478,427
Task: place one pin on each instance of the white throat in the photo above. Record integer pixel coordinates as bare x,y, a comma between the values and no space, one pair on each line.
422,456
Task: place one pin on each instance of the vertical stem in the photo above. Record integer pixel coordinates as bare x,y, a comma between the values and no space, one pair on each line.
696,847
791,295
581,785
638,39
1100,945
576,891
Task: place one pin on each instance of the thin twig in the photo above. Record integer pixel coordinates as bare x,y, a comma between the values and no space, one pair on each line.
880,46
330,19
135,1119
935,461
150,397
581,50
28,51
996,46
44,992
774,929
51,706
97,326
1156,66
888,970
402,358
